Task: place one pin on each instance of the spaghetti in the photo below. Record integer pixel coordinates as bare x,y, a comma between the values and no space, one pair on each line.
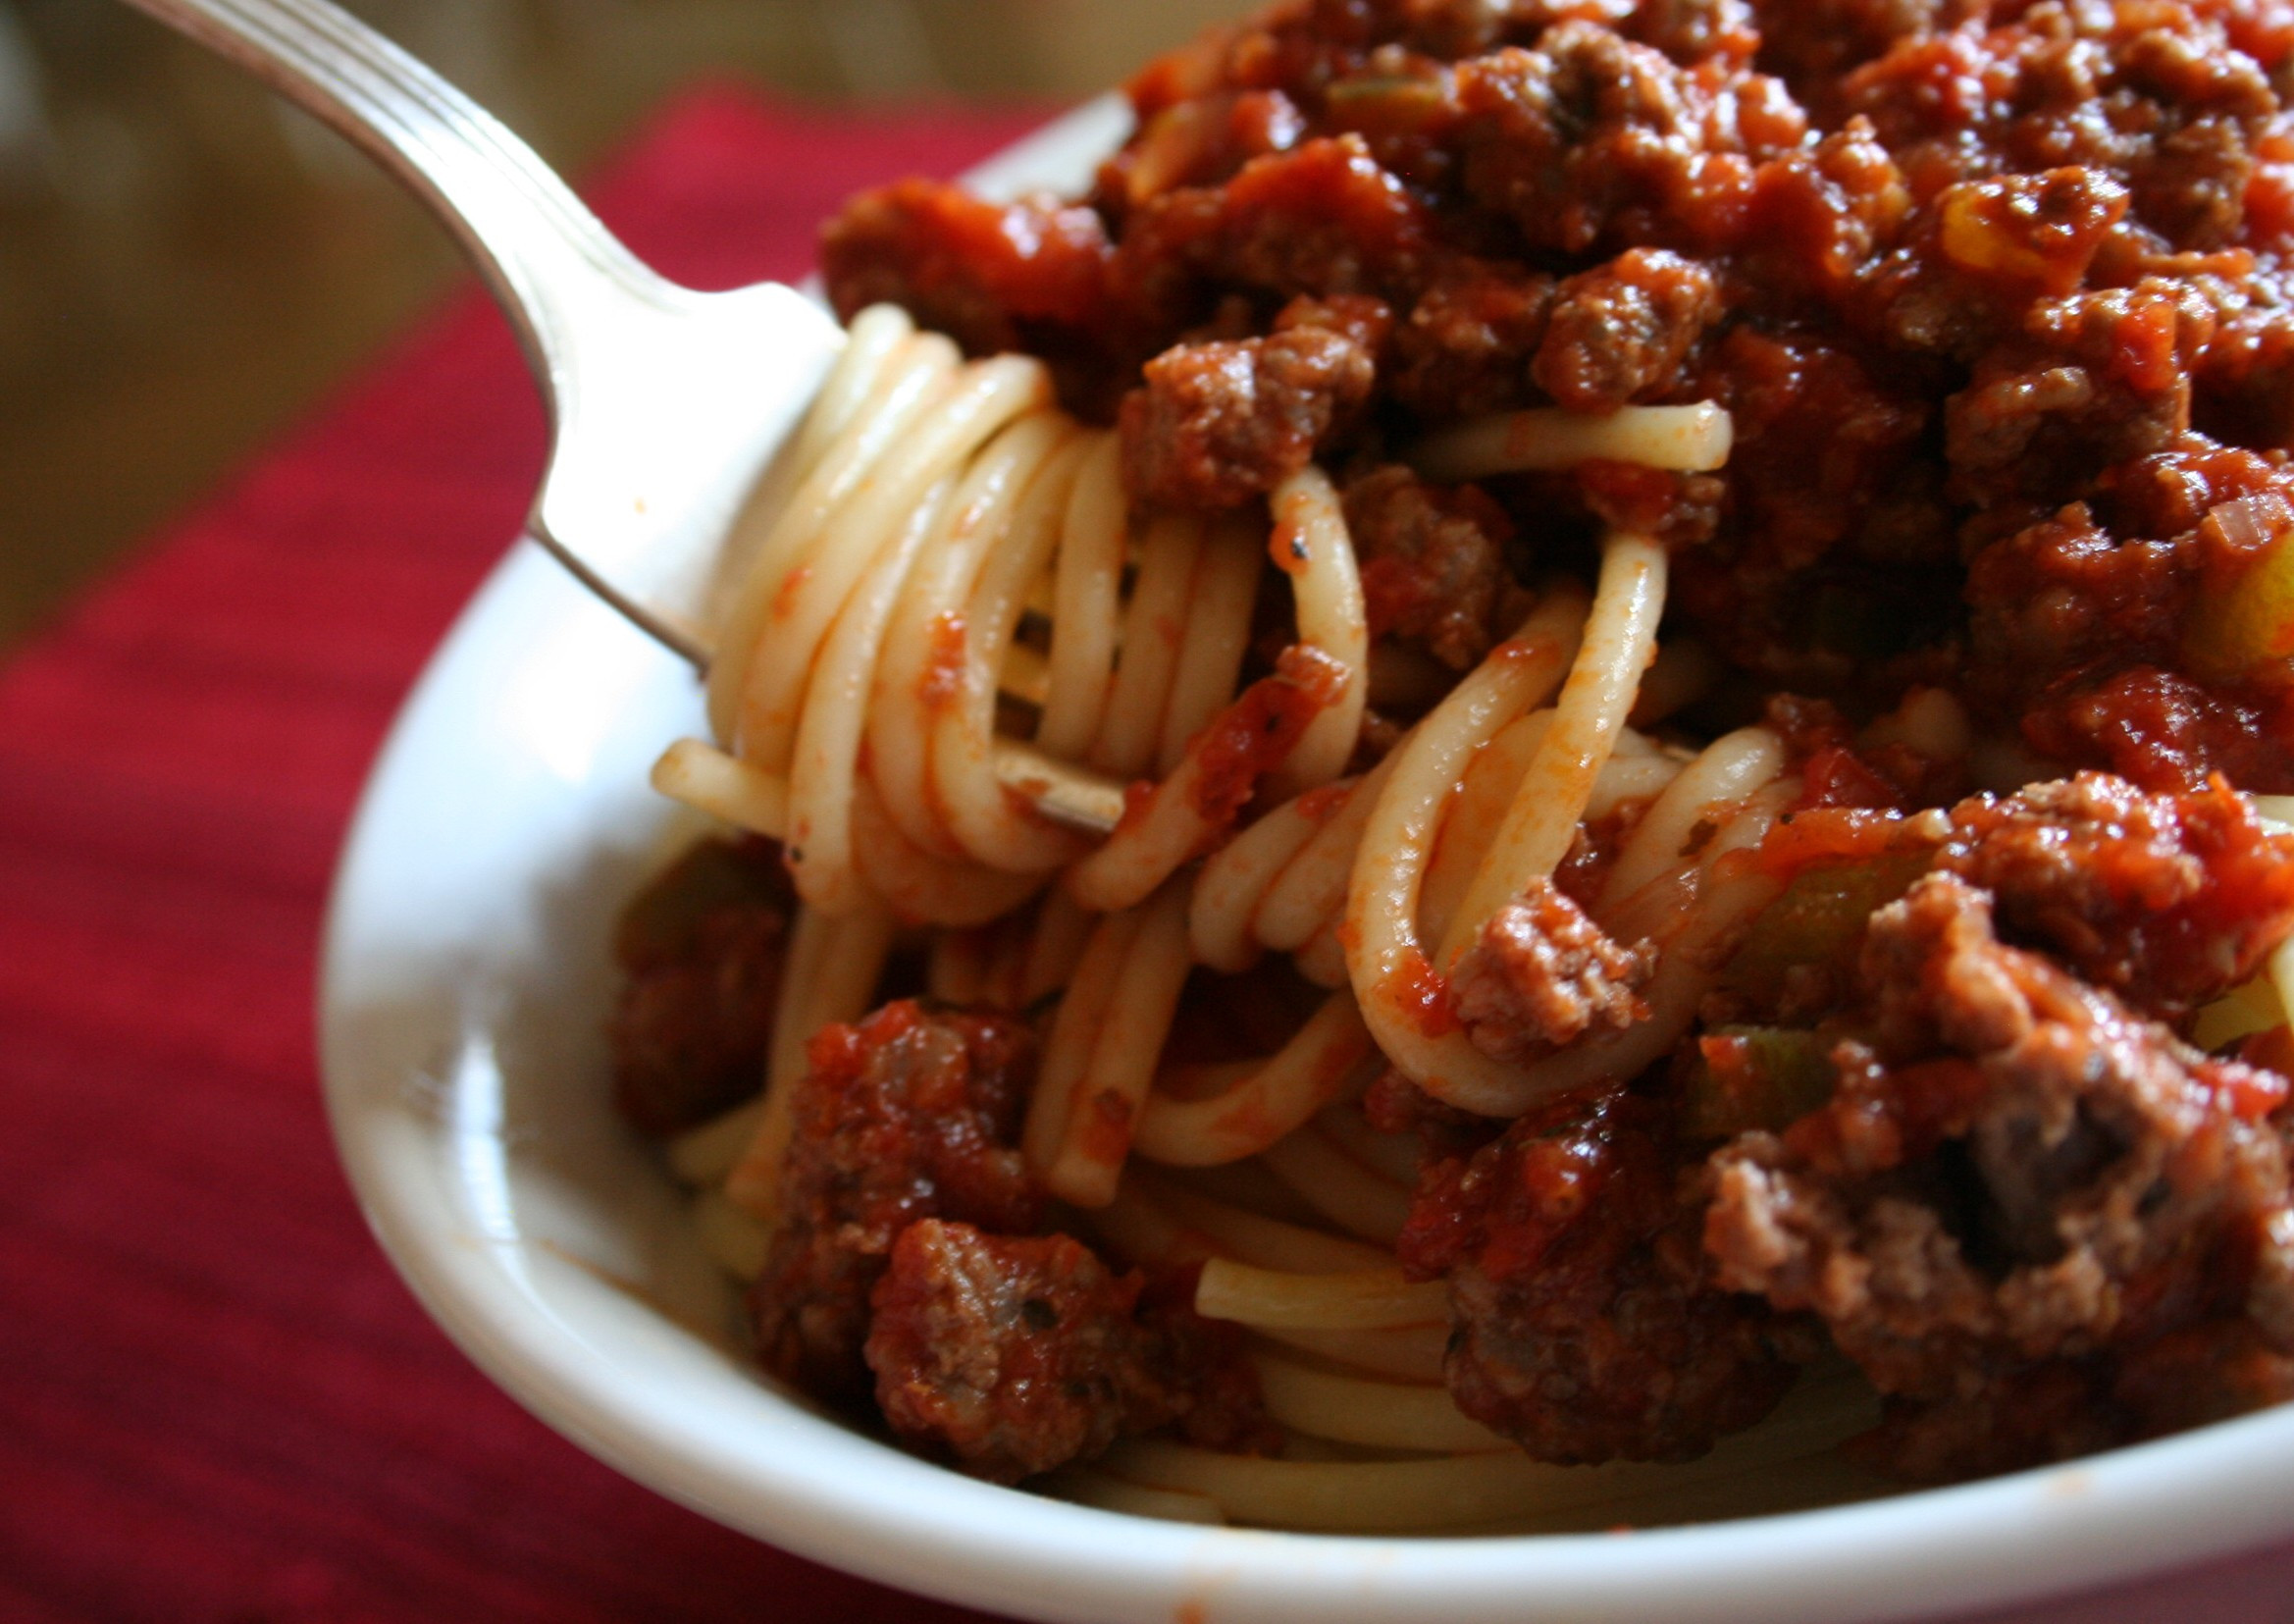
1443,842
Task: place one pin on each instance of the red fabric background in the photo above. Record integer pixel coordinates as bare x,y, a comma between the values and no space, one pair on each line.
216,1402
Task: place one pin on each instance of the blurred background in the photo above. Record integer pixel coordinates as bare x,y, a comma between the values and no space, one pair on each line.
186,263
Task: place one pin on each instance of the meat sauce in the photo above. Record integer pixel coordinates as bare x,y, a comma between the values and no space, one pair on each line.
1996,297
1992,294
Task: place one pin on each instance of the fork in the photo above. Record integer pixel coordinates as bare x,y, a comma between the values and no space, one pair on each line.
665,404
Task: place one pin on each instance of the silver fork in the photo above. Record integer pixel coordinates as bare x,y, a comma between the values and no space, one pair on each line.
665,404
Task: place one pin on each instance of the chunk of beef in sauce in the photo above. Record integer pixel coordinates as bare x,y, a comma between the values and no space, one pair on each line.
1323,218
2166,900
988,274
1219,423
1465,345
700,949
1625,330
912,1113
1541,974
1011,1355
2022,1203
2164,730
1432,562
1589,1325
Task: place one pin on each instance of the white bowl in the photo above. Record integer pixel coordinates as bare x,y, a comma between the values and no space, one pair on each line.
464,990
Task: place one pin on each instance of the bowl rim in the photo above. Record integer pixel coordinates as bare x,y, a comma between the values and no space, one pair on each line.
847,1500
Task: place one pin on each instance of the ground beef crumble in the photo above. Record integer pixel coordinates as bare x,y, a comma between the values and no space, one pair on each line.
700,951
1590,1326
1542,975
911,1113
1217,424
1623,330
1433,562
2166,899
1464,348
1011,1355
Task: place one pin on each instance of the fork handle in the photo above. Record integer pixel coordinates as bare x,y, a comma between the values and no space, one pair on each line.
539,248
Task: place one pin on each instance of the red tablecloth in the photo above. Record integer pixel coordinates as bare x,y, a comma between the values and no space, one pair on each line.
216,1402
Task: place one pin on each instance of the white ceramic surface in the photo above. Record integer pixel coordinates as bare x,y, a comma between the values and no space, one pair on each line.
464,988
